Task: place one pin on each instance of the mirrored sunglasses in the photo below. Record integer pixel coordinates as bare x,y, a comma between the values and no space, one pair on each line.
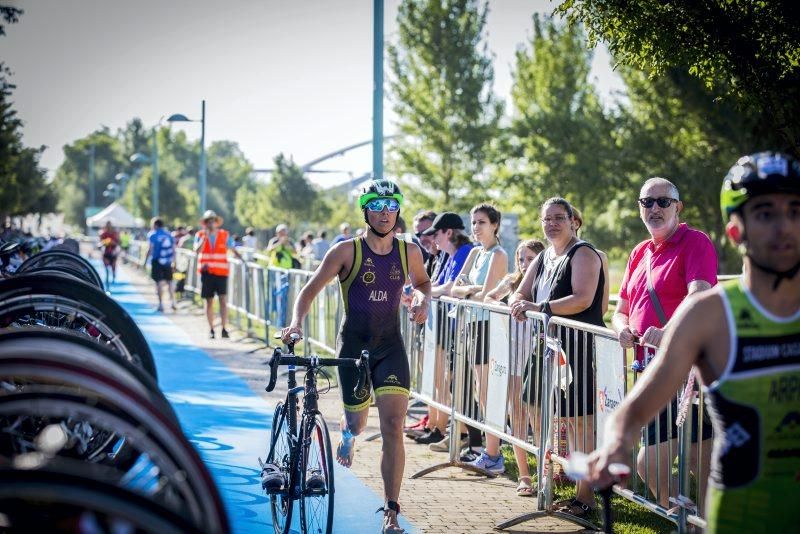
663,202
379,204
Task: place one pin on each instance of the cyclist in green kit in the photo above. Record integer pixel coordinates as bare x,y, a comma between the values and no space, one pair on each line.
372,271
743,337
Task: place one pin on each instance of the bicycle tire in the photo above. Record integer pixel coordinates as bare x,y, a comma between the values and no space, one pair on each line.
66,258
46,293
165,445
280,453
316,507
45,500
67,346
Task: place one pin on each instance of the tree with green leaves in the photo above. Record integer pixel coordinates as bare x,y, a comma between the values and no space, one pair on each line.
288,197
441,90
23,184
560,140
748,50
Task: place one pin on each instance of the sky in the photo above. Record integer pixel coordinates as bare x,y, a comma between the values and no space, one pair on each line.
291,76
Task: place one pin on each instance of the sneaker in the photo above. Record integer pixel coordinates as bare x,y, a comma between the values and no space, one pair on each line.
225,333
211,334
417,432
431,437
419,425
444,445
487,463
469,455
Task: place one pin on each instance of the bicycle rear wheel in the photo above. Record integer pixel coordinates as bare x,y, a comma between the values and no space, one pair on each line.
316,478
280,454
63,259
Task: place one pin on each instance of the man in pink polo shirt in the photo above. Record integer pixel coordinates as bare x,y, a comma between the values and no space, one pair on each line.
682,261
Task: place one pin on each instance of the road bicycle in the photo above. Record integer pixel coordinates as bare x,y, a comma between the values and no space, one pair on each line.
299,463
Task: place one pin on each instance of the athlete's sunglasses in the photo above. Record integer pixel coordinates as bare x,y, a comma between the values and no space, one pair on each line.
663,202
379,204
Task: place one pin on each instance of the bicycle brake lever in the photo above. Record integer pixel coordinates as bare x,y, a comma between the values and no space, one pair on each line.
273,367
363,369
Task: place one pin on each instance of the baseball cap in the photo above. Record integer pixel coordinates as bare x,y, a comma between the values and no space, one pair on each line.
445,221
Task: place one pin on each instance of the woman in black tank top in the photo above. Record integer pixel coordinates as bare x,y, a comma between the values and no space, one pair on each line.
567,281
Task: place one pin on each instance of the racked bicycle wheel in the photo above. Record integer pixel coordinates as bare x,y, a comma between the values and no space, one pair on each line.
316,479
280,454
63,303
51,500
168,470
59,258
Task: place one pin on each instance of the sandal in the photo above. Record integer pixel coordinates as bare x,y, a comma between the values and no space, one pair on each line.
577,508
525,489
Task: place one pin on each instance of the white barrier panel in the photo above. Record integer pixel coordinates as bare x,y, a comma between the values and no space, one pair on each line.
497,390
429,355
610,380
321,320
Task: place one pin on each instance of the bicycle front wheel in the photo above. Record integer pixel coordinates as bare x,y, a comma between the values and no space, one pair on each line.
280,454
316,502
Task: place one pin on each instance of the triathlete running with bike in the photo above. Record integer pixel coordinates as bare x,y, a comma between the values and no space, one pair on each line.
372,271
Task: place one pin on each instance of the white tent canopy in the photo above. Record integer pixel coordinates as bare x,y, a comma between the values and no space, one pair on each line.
114,212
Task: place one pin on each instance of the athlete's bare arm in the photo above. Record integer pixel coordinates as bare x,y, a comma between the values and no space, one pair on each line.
420,282
337,261
697,328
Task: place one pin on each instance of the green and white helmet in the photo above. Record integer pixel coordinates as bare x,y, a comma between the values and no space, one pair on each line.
379,189
758,174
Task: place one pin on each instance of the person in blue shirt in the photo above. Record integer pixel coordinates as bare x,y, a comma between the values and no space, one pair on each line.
162,252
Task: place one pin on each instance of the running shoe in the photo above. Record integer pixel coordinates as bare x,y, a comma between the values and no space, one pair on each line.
225,333
487,463
419,425
211,334
431,437
469,455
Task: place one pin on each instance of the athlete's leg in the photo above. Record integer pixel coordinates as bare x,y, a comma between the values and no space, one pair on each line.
158,292
352,424
392,409
654,464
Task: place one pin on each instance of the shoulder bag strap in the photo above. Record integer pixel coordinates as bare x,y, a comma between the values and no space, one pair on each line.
652,290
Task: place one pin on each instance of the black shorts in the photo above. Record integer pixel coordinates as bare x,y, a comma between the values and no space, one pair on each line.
666,423
388,367
160,273
213,284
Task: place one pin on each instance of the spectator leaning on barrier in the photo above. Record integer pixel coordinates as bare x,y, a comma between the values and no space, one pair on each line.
436,258
281,249
448,236
486,265
743,339
526,253
212,244
162,251
661,272
566,280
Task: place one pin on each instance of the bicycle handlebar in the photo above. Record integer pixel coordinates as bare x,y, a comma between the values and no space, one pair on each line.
361,363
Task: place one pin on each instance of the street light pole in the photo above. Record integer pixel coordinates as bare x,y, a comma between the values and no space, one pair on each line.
203,169
155,172
377,91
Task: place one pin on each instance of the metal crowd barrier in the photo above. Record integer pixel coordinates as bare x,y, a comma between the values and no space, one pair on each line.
263,295
478,366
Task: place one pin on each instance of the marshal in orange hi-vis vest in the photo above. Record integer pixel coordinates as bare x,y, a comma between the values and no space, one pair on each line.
217,258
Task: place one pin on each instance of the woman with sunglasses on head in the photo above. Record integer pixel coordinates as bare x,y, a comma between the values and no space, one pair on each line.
566,280
372,271
486,265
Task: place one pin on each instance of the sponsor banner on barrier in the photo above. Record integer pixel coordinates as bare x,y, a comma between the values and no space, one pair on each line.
499,360
610,363
429,355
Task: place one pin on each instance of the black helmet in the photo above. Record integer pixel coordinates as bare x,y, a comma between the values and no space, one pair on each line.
758,174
